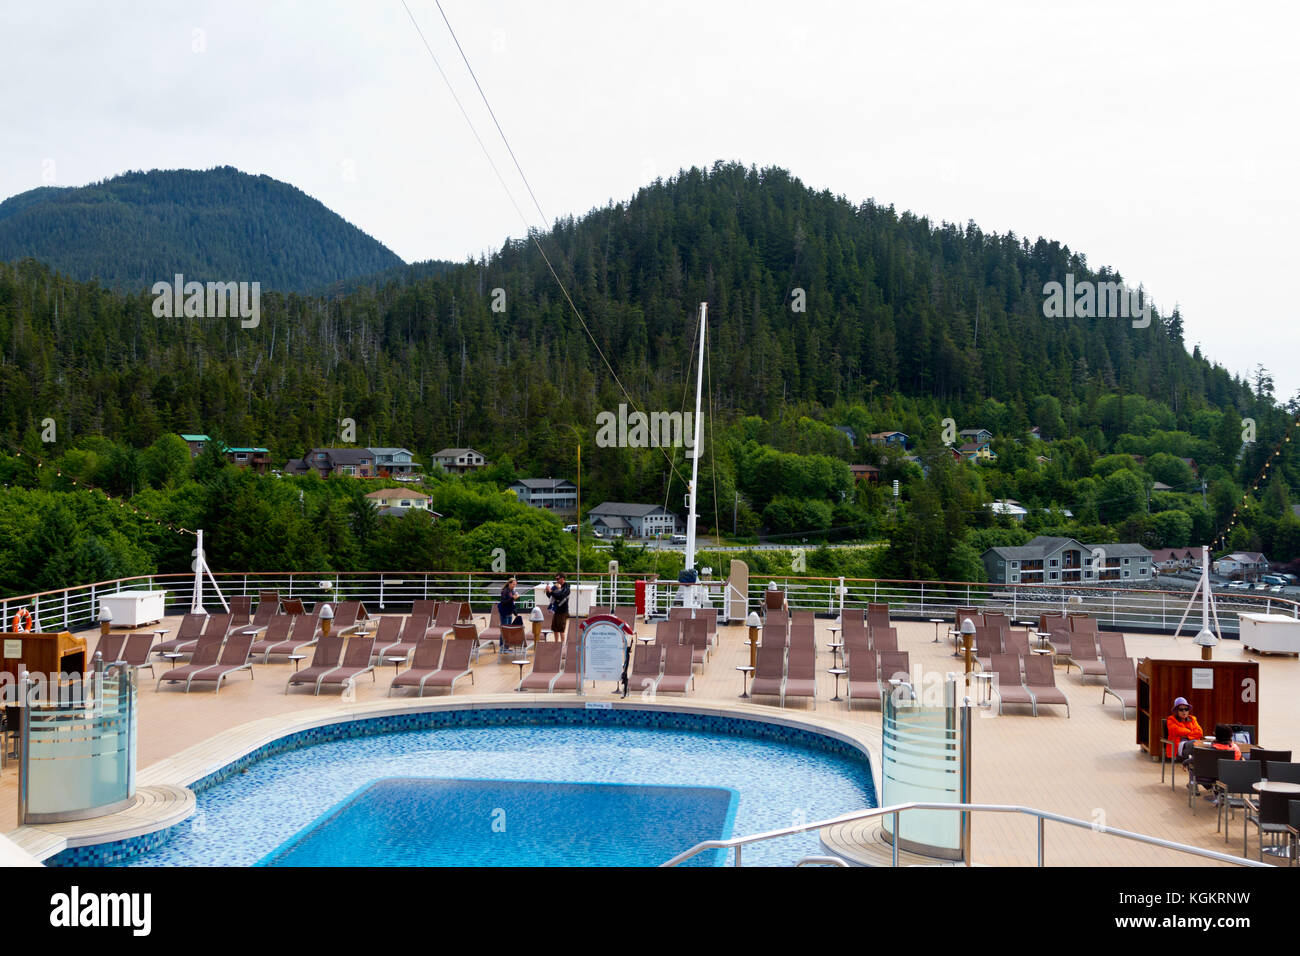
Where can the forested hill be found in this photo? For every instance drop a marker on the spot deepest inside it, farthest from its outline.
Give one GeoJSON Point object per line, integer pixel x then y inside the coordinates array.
{"type": "Point", "coordinates": [904, 323]}
{"type": "Point", "coordinates": [215, 225]}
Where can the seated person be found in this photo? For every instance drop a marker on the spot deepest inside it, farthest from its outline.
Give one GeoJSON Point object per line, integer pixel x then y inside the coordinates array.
{"type": "Point", "coordinates": [1223, 741]}
{"type": "Point", "coordinates": [1182, 729]}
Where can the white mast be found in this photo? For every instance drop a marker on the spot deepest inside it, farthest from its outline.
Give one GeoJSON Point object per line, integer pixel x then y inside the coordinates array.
{"type": "Point", "coordinates": [695, 449]}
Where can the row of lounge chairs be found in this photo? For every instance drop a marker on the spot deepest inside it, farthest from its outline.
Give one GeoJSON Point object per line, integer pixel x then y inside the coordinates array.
{"type": "Point", "coordinates": [215, 657]}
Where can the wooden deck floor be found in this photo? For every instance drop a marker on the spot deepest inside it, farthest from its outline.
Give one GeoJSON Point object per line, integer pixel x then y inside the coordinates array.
{"type": "Point", "coordinates": [1087, 766]}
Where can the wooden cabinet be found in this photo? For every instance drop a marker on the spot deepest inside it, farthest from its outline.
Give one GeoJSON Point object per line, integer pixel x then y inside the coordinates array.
{"type": "Point", "coordinates": [47, 654]}
{"type": "Point", "coordinates": [1220, 692]}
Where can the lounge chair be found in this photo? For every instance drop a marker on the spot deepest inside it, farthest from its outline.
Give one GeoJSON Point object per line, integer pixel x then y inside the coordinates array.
{"type": "Point", "coordinates": [997, 619]}
{"type": "Point", "coordinates": [773, 600]}
{"type": "Point", "coordinates": [1040, 680]}
{"type": "Point", "coordinates": [426, 608]}
{"type": "Point", "coordinates": [596, 609]}
{"type": "Point", "coordinates": [864, 676]}
{"type": "Point", "coordinates": [1047, 618]}
{"type": "Point", "coordinates": [388, 637]}
{"type": "Point", "coordinates": [468, 632]}
{"type": "Point", "coordinates": [424, 664]}
{"type": "Point", "coordinates": [293, 607]}
{"type": "Point", "coordinates": [627, 614]}
{"type": "Point", "coordinates": [769, 673]}
{"type": "Point", "coordinates": [895, 665]}
{"type": "Point", "coordinates": [324, 659]}
{"type": "Point", "coordinates": [800, 674]}
{"type": "Point", "coordinates": [444, 623]}
{"type": "Point", "coordinates": [567, 679]}
{"type": "Point", "coordinates": [668, 633]}
{"type": "Point", "coordinates": [678, 671]}
{"type": "Point", "coordinates": [1083, 655]}
{"type": "Point", "coordinates": [1082, 624]}
{"type": "Point", "coordinates": [696, 635]}
{"type": "Point", "coordinates": [277, 632]}
{"type": "Point", "coordinates": [647, 662]}
{"type": "Point", "coordinates": [356, 661]}
{"type": "Point", "coordinates": [266, 611]}
{"type": "Point", "coordinates": [241, 607]}
{"type": "Point", "coordinates": [1111, 644]}
{"type": "Point", "coordinates": [206, 653]}
{"type": "Point", "coordinates": [234, 657]}
{"type": "Point", "coordinates": [803, 636]}
{"type": "Point", "coordinates": [219, 625]}
{"type": "Point", "coordinates": [884, 638]}
{"type": "Point", "coordinates": [1059, 638]}
{"type": "Point", "coordinates": [988, 641]}
{"type": "Point", "coordinates": [878, 609]}
{"type": "Point", "coordinates": [110, 647]}
{"type": "Point", "coordinates": [547, 666]}
{"type": "Point", "coordinates": [137, 649]}
{"type": "Point", "coordinates": [803, 618]}
{"type": "Point", "coordinates": [856, 641]}
{"type": "Point", "coordinates": [302, 633]}
{"type": "Point", "coordinates": [415, 629]}
{"type": "Point", "coordinates": [1015, 642]}
{"type": "Point", "coordinates": [514, 640]}
{"type": "Point", "coordinates": [1121, 683]}
{"type": "Point", "coordinates": [1009, 686]}
{"type": "Point", "coordinates": [191, 629]}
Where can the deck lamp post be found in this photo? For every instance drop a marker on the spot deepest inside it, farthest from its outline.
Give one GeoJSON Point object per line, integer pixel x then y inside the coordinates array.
{"type": "Point", "coordinates": [1207, 642]}
{"type": "Point", "coordinates": [536, 616]}
{"type": "Point", "coordinates": [967, 635]}
{"type": "Point", "coordinates": [754, 623]}
{"type": "Point", "coordinates": [326, 617]}
{"type": "Point", "coordinates": [105, 619]}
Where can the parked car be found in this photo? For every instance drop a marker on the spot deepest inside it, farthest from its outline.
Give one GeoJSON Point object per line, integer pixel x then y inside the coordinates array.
{"type": "Point", "coordinates": [1239, 585]}
{"type": "Point", "coordinates": [679, 539]}
{"type": "Point", "coordinates": [1277, 589]}
{"type": "Point", "coordinates": [570, 528]}
{"type": "Point", "coordinates": [1261, 586]}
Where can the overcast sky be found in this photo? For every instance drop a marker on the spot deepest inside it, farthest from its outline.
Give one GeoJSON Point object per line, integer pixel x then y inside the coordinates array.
{"type": "Point", "coordinates": [1157, 138]}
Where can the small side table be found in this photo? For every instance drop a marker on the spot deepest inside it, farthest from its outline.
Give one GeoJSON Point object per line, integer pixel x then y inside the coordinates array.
{"type": "Point", "coordinates": [837, 671]}
{"type": "Point", "coordinates": [835, 650]}
{"type": "Point", "coordinates": [745, 671]}
{"type": "Point", "coordinates": [160, 633]}
{"type": "Point", "coordinates": [522, 663]}
{"type": "Point", "coordinates": [395, 660]}
{"type": "Point", "coordinates": [936, 621]}
{"type": "Point", "coordinates": [646, 639]}
{"type": "Point", "coordinates": [983, 687]}
{"type": "Point", "coordinates": [296, 658]}
{"type": "Point", "coordinates": [172, 657]}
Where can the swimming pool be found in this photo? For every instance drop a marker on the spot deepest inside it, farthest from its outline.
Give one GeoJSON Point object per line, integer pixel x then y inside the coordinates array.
{"type": "Point", "coordinates": [780, 776]}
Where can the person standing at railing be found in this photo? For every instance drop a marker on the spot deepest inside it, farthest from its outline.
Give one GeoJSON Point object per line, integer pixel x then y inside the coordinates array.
{"type": "Point", "coordinates": [559, 595]}
{"type": "Point", "coordinates": [506, 605]}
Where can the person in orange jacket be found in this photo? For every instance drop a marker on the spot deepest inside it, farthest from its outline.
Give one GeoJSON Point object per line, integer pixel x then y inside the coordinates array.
{"type": "Point", "coordinates": [1181, 726]}
{"type": "Point", "coordinates": [1223, 741]}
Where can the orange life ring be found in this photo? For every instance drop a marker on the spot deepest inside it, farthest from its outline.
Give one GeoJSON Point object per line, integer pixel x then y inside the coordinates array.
{"type": "Point", "coordinates": [23, 616]}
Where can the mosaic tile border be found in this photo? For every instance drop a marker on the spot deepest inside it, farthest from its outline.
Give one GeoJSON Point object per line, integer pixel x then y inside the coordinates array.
{"type": "Point", "coordinates": [474, 716]}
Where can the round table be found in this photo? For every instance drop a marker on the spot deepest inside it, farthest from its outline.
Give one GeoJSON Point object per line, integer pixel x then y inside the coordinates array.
{"type": "Point", "coordinates": [396, 660]}
{"type": "Point", "coordinates": [521, 664]}
{"type": "Point", "coordinates": [837, 671]}
{"type": "Point", "coordinates": [936, 621]}
{"type": "Point", "coordinates": [835, 649]}
{"type": "Point", "coordinates": [1276, 786]}
{"type": "Point", "coordinates": [983, 687]}
{"type": "Point", "coordinates": [296, 658]}
{"type": "Point", "coordinates": [745, 670]}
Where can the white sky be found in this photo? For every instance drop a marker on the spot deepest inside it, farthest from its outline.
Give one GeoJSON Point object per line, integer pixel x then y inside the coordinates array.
{"type": "Point", "coordinates": [1156, 137]}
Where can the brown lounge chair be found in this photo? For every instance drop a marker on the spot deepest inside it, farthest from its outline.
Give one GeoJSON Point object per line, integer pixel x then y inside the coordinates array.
{"type": "Point", "coordinates": [695, 633]}
{"type": "Point", "coordinates": [137, 649]}
{"type": "Point", "coordinates": [547, 665]}
{"type": "Point", "coordinates": [425, 608]}
{"type": "Point", "coordinates": [206, 653]}
{"type": "Point", "coordinates": [769, 672]}
{"type": "Point", "coordinates": [241, 609]}
{"type": "Point", "coordinates": [864, 679]}
{"type": "Point", "coordinates": [627, 614]}
{"type": "Point", "coordinates": [1015, 642]}
{"type": "Point", "coordinates": [455, 665]}
{"type": "Point", "coordinates": [678, 671]}
{"type": "Point", "coordinates": [1040, 680]}
{"type": "Point", "coordinates": [324, 659]}
{"type": "Point", "coordinates": [1083, 655]}
{"type": "Point", "coordinates": [514, 640]}
{"type": "Point", "coordinates": [800, 674]}
{"type": "Point", "coordinates": [469, 632]}
{"type": "Point", "coordinates": [1121, 683]}
{"type": "Point", "coordinates": [883, 638]}
{"type": "Point", "coordinates": [647, 660]}
{"type": "Point", "coordinates": [219, 626]}
{"type": "Point", "coordinates": [388, 637]}
{"type": "Point", "coordinates": [302, 633]}
{"type": "Point", "coordinates": [668, 633]}
{"type": "Point", "coordinates": [266, 611]}
{"type": "Point", "coordinates": [110, 647]}
{"type": "Point", "coordinates": [1059, 638]}
{"type": "Point", "coordinates": [191, 629]}
{"type": "Point", "coordinates": [415, 631]}
{"type": "Point", "coordinates": [492, 633]}
{"type": "Point", "coordinates": [1111, 644]}
{"type": "Point", "coordinates": [988, 641]}
{"type": "Point", "coordinates": [424, 663]}
{"type": "Point", "coordinates": [1010, 688]}
{"type": "Point", "coordinates": [277, 631]}
{"type": "Point", "coordinates": [234, 657]}
{"type": "Point", "coordinates": [445, 621]}
{"type": "Point", "coordinates": [356, 661]}
{"type": "Point", "coordinates": [803, 618]}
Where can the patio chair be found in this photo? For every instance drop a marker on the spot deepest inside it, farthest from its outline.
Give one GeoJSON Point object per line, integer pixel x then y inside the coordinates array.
{"type": "Point", "coordinates": [219, 625]}
{"type": "Point", "coordinates": [803, 636]}
{"type": "Point", "coordinates": [1082, 624]}
{"type": "Point", "coordinates": [1083, 655]}
{"type": "Point", "coordinates": [1015, 642]}
{"type": "Point", "coordinates": [514, 640]}
{"type": "Point", "coordinates": [884, 638]}
{"type": "Point", "coordinates": [302, 633]}
{"type": "Point", "coordinates": [345, 617]}
{"type": "Point", "coordinates": [864, 677]}
{"type": "Point", "coordinates": [856, 641]}
{"type": "Point", "coordinates": [647, 662]}
{"type": "Point", "coordinates": [356, 661]}
{"type": "Point", "coordinates": [1047, 618]}
{"type": "Point", "coordinates": [1269, 812]}
{"type": "Point", "coordinates": [191, 629]}
{"type": "Point", "coordinates": [234, 658]}
{"type": "Point", "coordinates": [800, 674]}
{"type": "Point", "coordinates": [895, 665]}
{"type": "Point", "coordinates": [1280, 771]}
{"type": "Point", "coordinates": [547, 665]}
{"type": "Point", "coordinates": [769, 671]}
{"type": "Point", "coordinates": [1040, 680]}
{"type": "Point", "coordinates": [293, 607]}
{"type": "Point", "coordinates": [469, 632]}
{"type": "Point", "coordinates": [1121, 683]}
{"type": "Point", "coordinates": [1202, 772]}
{"type": "Point", "coordinates": [1009, 686]}
{"type": "Point", "coordinates": [424, 663]}
{"type": "Point", "coordinates": [803, 617]}
{"type": "Point", "coordinates": [266, 610]}
{"type": "Point", "coordinates": [696, 635]}
{"type": "Point", "coordinates": [776, 637]}
{"type": "Point", "coordinates": [388, 637]}
{"type": "Point", "coordinates": [445, 620]}
{"type": "Point", "coordinates": [567, 679]}
{"type": "Point", "coordinates": [270, 600]}
{"type": "Point", "coordinates": [110, 647]}
{"type": "Point", "coordinates": [206, 653]}
{"type": "Point", "coordinates": [415, 629]}
{"type": "Point", "coordinates": [324, 659]}
{"type": "Point", "coordinates": [455, 665]}
{"type": "Point", "coordinates": [668, 633]}
{"type": "Point", "coordinates": [1059, 638]}
{"type": "Point", "coordinates": [137, 649]}
{"type": "Point", "coordinates": [427, 608]}
{"type": "Point", "coordinates": [997, 619]}
{"type": "Point", "coordinates": [877, 609]}
{"type": "Point", "coordinates": [277, 631]}
{"type": "Point", "coordinates": [853, 625]}
{"type": "Point", "coordinates": [773, 600]}
{"type": "Point", "coordinates": [1111, 644]}
{"type": "Point", "coordinates": [1233, 790]}
{"type": "Point", "coordinates": [1265, 757]}
{"type": "Point", "coordinates": [678, 671]}
{"type": "Point", "coordinates": [627, 614]}
{"type": "Point", "coordinates": [988, 641]}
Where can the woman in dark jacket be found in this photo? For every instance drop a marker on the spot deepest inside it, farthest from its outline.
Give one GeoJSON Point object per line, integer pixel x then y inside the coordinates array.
{"type": "Point", "coordinates": [506, 605]}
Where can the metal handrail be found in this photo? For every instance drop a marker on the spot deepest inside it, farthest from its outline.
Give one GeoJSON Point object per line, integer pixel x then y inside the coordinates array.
{"type": "Point", "coordinates": [899, 808]}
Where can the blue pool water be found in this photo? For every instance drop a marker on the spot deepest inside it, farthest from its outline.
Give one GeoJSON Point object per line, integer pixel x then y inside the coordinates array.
{"type": "Point", "coordinates": [404, 821]}
{"type": "Point", "coordinates": [252, 813]}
